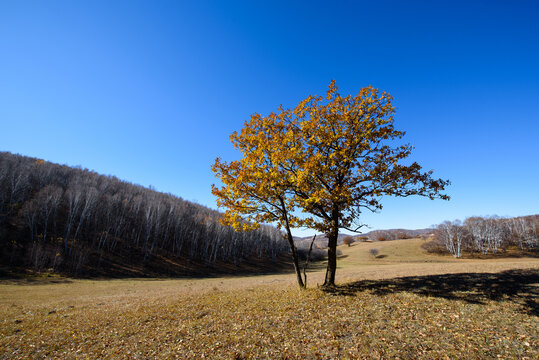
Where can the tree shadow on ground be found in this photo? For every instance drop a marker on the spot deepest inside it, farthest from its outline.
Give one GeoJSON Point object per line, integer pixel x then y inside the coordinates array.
{"type": "Point", "coordinates": [520, 286]}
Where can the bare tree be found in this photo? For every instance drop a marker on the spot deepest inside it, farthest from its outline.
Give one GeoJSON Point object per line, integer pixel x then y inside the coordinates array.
{"type": "Point", "coordinates": [453, 235]}
{"type": "Point", "coordinates": [47, 201]}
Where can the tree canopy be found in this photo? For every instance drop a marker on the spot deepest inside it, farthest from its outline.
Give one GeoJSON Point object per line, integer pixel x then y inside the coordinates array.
{"type": "Point", "coordinates": [257, 188]}
{"type": "Point", "coordinates": [330, 158]}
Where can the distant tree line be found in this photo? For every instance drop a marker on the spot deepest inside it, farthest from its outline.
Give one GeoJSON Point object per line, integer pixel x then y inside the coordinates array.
{"type": "Point", "coordinates": [486, 235]}
{"type": "Point", "coordinates": [59, 217]}
{"type": "Point", "coordinates": [394, 234]}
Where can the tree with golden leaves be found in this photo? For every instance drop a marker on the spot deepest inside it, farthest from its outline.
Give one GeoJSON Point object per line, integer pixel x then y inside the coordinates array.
{"type": "Point", "coordinates": [329, 158]}
{"type": "Point", "coordinates": [258, 187]}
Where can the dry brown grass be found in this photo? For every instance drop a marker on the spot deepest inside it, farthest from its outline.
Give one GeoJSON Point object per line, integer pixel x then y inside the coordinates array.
{"type": "Point", "coordinates": [377, 314]}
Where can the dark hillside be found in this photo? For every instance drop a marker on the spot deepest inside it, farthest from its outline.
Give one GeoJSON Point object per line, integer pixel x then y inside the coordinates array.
{"type": "Point", "coordinates": [63, 219]}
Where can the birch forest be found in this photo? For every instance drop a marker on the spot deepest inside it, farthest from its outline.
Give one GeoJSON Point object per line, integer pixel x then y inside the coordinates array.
{"type": "Point", "coordinates": [72, 220]}
{"type": "Point", "coordinates": [489, 235]}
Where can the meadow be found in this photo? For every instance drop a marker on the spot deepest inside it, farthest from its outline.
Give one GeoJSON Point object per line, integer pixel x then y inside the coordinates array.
{"type": "Point", "coordinates": [403, 303]}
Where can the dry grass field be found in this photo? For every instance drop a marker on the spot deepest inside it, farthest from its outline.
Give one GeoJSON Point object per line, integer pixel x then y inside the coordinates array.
{"type": "Point", "coordinates": [402, 304]}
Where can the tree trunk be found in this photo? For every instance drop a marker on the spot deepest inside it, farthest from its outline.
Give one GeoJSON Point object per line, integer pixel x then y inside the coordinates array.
{"type": "Point", "coordinates": [290, 239]}
{"type": "Point", "coordinates": [294, 257]}
{"type": "Point", "coordinates": [307, 262]}
{"type": "Point", "coordinates": [332, 251]}
{"type": "Point", "coordinates": [332, 260]}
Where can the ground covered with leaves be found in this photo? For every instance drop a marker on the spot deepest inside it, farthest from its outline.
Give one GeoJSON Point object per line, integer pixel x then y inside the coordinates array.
{"type": "Point", "coordinates": [472, 316]}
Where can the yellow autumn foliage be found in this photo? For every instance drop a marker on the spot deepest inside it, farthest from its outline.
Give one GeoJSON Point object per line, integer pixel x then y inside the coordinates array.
{"type": "Point", "coordinates": [331, 158]}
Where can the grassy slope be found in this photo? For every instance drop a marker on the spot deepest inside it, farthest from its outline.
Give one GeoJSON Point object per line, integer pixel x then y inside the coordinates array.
{"type": "Point", "coordinates": [459, 316]}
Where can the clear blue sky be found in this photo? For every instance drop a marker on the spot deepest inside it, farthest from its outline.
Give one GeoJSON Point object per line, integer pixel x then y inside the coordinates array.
{"type": "Point", "coordinates": [149, 91]}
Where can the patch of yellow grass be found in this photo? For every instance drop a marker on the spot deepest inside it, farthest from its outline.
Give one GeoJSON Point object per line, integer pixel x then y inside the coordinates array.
{"type": "Point", "coordinates": [267, 317]}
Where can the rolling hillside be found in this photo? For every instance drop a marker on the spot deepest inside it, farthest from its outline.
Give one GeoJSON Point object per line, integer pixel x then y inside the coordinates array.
{"type": "Point", "coordinates": [75, 221]}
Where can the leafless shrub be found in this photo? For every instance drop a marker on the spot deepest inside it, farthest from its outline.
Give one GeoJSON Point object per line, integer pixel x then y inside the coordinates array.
{"type": "Point", "coordinates": [374, 252]}
{"type": "Point", "coordinates": [434, 247]}
{"type": "Point", "coordinates": [41, 256]}
{"type": "Point", "coordinates": [316, 254]}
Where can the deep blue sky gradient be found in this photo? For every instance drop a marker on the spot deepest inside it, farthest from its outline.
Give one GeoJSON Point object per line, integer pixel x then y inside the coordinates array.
{"type": "Point", "coordinates": [149, 91]}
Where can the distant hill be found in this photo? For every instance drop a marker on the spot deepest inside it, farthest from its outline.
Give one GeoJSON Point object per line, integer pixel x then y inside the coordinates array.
{"type": "Point", "coordinates": [71, 220]}
{"type": "Point", "coordinates": [375, 235]}
{"type": "Point", "coordinates": [521, 229]}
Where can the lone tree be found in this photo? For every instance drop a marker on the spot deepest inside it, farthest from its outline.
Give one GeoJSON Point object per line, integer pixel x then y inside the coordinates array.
{"type": "Point", "coordinates": [330, 158]}
{"type": "Point", "coordinates": [374, 252]}
{"type": "Point", "coordinates": [349, 240]}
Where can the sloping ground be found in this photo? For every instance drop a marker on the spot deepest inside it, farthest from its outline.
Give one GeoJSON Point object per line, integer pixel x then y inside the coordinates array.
{"type": "Point", "coordinates": [397, 258]}
{"type": "Point", "coordinates": [392, 306]}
